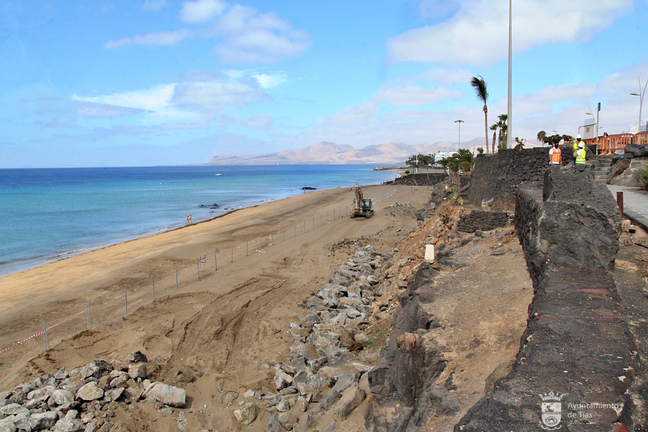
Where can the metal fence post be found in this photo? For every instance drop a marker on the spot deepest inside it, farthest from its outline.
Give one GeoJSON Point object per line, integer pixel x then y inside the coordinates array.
{"type": "Point", "coordinates": [153, 286]}
{"type": "Point", "coordinates": [45, 335]}
{"type": "Point", "coordinates": [620, 202]}
{"type": "Point", "coordinates": [198, 267]}
{"type": "Point", "coordinates": [88, 314]}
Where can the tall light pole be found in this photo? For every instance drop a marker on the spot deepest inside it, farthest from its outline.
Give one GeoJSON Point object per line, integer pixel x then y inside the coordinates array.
{"type": "Point", "coordinates": [459, 121]}
{"type": "Point", "coordinates": [598, 110]}
{"type": "Point", "coordinates": [509, 133]}
{"type": "Point", "coordinates": [641, 96]}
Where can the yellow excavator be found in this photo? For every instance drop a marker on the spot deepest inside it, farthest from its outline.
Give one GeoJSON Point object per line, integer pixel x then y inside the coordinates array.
{"type": "Point", "coordinates": [361, 205]}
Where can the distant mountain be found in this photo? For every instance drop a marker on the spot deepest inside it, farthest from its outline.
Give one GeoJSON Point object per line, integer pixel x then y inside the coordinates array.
{"type": "Point", "coordinates": [392, 153]}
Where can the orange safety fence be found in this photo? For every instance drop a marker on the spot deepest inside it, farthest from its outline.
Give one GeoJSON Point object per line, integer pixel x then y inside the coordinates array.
{"type": "Point", "coordinates": [611, 143]}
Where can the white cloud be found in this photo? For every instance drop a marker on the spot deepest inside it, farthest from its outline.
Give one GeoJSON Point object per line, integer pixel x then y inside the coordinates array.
{"type": "Point", "coordinates": [268, 81]}
{"type": "Point", "coordinates": [153, 99]}
{"type": "Point", "coordinates": [210, 98]}
{"type": "Point", "coordinates": [199, 75]}
{"type": "Point", "coordinates": [248, 36]}
{"type": "Point", "coordinates": [244, 34]}
{"type": "Point", "coordinates": [151, 39]}
{"type": "Point", "coordinates": [153, 5]}
{"type": "Point", "coordinates": [365, 113]}
{"type": "Point", "coordinates": [445, 76]}
{"type": "Point", "coordinates": [435, 9]}
{"type": "Point", "coordinates": [201, 11]}
{"type": "Point", "coordinates": [98, 110]}
{"type": "Point", "coordinates": [415, 95]}
{"type": "Point", "coordinates": [478, 33]}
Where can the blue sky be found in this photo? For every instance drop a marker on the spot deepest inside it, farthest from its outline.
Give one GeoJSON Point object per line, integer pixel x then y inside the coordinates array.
{"type": "Point", "coordinates": [156, 82]}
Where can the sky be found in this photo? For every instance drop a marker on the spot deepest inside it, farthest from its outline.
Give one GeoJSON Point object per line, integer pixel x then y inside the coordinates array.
{"type": "Point", "coordinates": [88, 83]}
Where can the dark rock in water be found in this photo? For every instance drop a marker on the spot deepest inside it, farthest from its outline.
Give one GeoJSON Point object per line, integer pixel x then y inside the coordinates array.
{"type": "Point", "coordinates": [308, 188]}
{"type": "Point", "coordinates": [213, 206]}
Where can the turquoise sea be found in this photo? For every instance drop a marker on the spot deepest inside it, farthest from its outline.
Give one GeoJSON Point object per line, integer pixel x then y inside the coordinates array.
{"type": "Point", "coordinates": [50, 214]}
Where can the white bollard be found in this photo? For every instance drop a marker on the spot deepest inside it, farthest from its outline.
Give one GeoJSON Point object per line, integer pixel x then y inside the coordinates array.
{"type": "Point", "coordinates": [429, 253]}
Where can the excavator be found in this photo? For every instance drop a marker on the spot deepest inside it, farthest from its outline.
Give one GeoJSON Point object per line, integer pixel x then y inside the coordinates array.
{"type": "Point", "coordinates": [361, 205]}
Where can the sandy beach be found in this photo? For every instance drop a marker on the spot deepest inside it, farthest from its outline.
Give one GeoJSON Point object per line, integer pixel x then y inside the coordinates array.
{"type": "Point", "coordinates": [279, 275]}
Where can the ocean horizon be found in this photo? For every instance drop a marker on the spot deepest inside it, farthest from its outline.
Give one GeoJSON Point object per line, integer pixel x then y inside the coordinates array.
{"type": "Point", "coordinates": [55, 213]}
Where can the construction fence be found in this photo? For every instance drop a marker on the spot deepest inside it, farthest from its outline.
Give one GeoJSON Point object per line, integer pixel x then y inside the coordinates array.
{"type": "Point", "coordinates": [205, 265]}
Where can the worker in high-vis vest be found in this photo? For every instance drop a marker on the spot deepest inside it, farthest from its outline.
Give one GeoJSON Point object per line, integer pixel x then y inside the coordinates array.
{"type": "Point", "coordinates": [555, 155]}
{"type": "Point", "coordinates": [578, 141]}
{"type": "Point", "coordinates": [580, 154]}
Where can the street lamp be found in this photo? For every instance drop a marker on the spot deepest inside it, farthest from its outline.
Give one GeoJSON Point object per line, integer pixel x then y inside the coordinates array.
{"type": "Point", "coordinates": [459, 121]}
{"type": "Point", "coordinates": [509, 118]}
{"type": "Point", "coordinates": [641, 96]}
{"type": "Point", "coordinates": [598, 110]}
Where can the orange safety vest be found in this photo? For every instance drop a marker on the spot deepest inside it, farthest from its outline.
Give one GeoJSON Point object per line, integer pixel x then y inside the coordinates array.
{"type": "Point", "coordinates": [556, 156]}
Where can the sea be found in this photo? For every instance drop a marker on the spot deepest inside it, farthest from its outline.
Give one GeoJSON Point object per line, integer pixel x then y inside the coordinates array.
{"type": "Point", "coordinates": [49, 214]}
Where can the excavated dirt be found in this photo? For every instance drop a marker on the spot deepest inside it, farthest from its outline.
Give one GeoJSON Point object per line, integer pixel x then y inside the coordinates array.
{"type": "Point", "coordinates": [228, 330]}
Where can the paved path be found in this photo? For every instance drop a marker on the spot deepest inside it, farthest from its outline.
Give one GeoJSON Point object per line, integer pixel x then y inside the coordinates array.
{"type": "Point", "coordinates": [635, 204]}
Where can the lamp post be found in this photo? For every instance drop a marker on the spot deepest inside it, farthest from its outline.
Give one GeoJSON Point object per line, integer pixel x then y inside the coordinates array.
{"type": "Point", "coordinates": [509, 118]}
{"type": "Point", "coordinates": [641, 96]}
{"type": "Point", "coordinates": [598, 110]}
{"type": "Point", "coordinates": [459, 121]}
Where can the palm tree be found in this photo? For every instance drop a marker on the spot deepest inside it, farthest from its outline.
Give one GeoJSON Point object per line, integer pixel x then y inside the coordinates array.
{"type": "Point", "coordinates": [503, 129]}
{"type": "Point", "coordinates": [444, 163]}
{"type": "Point", "coordinates": [466, 159]}
{"type": "Point", "coordinates": [454, 163]}
{"type": "Point", "coordinates": [479, 85]}
{"type": "Point", "coordinates": [494, 129]}
{"type": "Point", "coordinates": [542, 137]}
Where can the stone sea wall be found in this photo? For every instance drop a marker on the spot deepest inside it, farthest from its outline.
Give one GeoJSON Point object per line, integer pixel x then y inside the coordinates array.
{"type": "Point", "coordinates": [499, 176]}
{"type": "Point", "coordinates": [577, 352]}
{"type": "Point", "coordinates": [427, 179]}
{"type": "Point", "coordinates": [479, 220]}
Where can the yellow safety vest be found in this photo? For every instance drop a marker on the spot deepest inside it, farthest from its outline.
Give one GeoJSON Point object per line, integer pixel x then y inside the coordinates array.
{"type": "Point", "coordinates": [580, 156]}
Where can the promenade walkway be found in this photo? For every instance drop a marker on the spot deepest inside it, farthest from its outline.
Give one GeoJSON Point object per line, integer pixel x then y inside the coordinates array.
{"type": "Point", "coordinates": [635, 204]}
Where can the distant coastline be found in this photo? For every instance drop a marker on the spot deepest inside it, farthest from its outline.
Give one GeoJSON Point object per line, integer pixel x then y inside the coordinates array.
{"type": "Point", "coordinates": [81, 210]}
{"type": "Point", "coordinates": [390, 168]}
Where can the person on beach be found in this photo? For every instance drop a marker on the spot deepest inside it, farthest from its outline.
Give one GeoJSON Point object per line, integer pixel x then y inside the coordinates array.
{"type": "Point", "coordinates": [187, 219]}
{"type": "Point", "coordinates": [190, 218]}
{"type": "Point", "coordinates": [578, 141]}
{"type": "Point", "coordinates": [555, 155]}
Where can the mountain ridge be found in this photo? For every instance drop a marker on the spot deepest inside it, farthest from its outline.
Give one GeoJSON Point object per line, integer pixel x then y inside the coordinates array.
{"type": "Point", "coordinates": [394, 152]}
